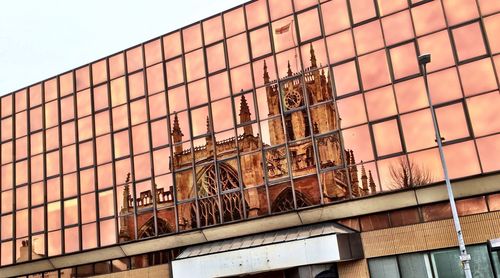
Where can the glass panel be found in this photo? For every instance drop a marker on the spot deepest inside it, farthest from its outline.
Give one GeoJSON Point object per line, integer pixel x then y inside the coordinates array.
{"type": "Point", "coordinates": [460, 11]}
{"type": "Point", "coordinates": [404, 61]}
{"type": "Point", "coordinates": [374, 70]}
{"type": "Point", "coordinates": [428, 17]}
{"type": "Point", "coordinates": [159, 135]}
{"type": "Point", "coordinates": [153, 52]}
{"type": "Point", "coordinates": [483, 112]}
{"type": "Point", "coordinates": [477, 77]}
{"type": "Point", "coordinates": [469, 41]}
{"type": "Point", "coordinates": [195, 65]}
{"type": "Point", "coordinates": [174, 71]}
{"type": "Point", "coordinates": [138, 112]}
{"type": "Point", "coordinates": [387, 138]}
{"type": "Point", "coordinates": [415, 265]}
{"type": "Point", "coordinates": [216, 59]}
{"type": "Point", "coordinates": [389, 6]}
{"type": "Point", "coordinates": [491, 25]}
{"type": "Point", "coordinates": [172, 45]}
{"type": "Point", "coordinates": [88, 208]}
{"type": "Point", "coordinates": [107, 232]}
{"type": "Point", "coordinates": [335, 16]}
{"type": "Point", "coordinates": [136, 84]}
{"type": "Point", "coordinates": [452, 122]}
{"type": "Point", "coordinates": [280, 8]}
{"type": "Point", "coordinates": [444, 86]}
{"type": "Point", "coordinates": [368, 37]}
{"type": "Point", "coordinates": [237, 50]}
{"type": "Point", "coordinates": [284, 34]}
{"type": "Point", "coordinates": [218, 85]}
{"type": "Point", "coordinates": [455, 156]}
{"type": "Point", "coordinates": [362, 10]}
{"type": "Point", "coordinates": [418, 130]}
{"type": "Point", "coordinates": [212, 30]}
{"type": "Point", "coordinates": [346, 78]}
{"type": "Point", "coordinates": [220, 110]}
{"type": "Point", "coordinates": [386, 267]}
{"type": "Point", "coordinates": [134, 59]}
{"type": "Point", "coordinates": [51, 85]}
{"type": "Point", "coordinates": [116, 66]}
{"type": "Point", "coordinates": [260, 42]}
{"type": "Point", "coordinates": [380, 103]}
{"type": "Point", "coordinates": [489, 150]}
{"type": "Point", "coordinates": [71, 240]}
{"type": "Point", "coordinates": [340, 46]}
{"type": "Point", "coordinates": [256, 13]}
{"type": "Point", "coordinates": [234, 22]}
{"type": "Point", "coordinates": [352, 110]}
{"type": "Point", "coordinates": [439, 46]}
{"type": "Point", "coordinates": [191, 37]}
{"type": "Point", "coordinates": [241, 79]}
{"type": "Point", "coordinates": [309, 27]}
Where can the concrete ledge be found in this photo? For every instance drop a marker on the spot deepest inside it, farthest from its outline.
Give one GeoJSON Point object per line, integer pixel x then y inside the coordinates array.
{"type": "Point", "coordinates": [371, 204]}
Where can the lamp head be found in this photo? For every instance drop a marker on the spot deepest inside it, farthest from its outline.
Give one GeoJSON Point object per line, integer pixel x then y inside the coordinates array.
{"type": "Point", "coordinates": [424, 59]}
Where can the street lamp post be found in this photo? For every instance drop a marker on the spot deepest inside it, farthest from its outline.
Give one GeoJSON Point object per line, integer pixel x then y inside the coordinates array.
{"type": "Point", "coordinates": [465, 258]}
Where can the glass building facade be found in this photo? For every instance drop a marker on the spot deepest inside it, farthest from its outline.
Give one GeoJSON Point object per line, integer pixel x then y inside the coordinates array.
{"type": "Point", "coordinates": [273, 106]}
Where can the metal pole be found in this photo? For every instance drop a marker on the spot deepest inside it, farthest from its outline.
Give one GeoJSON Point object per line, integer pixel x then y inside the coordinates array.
{"type": "Point", "coordinates": [423, 60]}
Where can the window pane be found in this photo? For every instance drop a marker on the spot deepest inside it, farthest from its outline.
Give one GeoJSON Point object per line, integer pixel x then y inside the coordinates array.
{"type": "Point", "coordinates": [358, 140]}
{"type": "Point", "coordinates": [335, 16]}
{"type": "Point", "coordinates": [368, 37]}
{"type": "Point", "coordinates": [260, 42]}
{"type": "Point", "coordinates": [455, 156]}
{"type": "Point", "coordinates": [404, 61]}
{"type": "Point", "coordinates": [452, 122]}
{"type": "Point", "coordinates": [195, 65]}
{"type": "Point", "coordinates": [237, 50]}
{"type": "Point", "coordinates": [212, 30]}
{"type": "Point", "coordinates": [397, 27]}
{"type": "Point", "coordinates": [215, 57]}
{"type": "Point", "coordinates": [469, 41]}
{"type": "Point", "coordinates": [460, 11]}
{"type": "Point", "coordinates": [175, 73]}
{"type": "Point", "coordinates": [280, 8]}
{"type": "Point", "coordinates": [374, 70]}
{"type": "Point", "coordinates": [477, 77]}
{"type": "Point", "coordinates": [234, 22]}
{"type": "Point", "coordinates": [116, 66]}
{"type": "Point", "coordinates": [362, 10]}
{"type": "Point", "coordinates": [156, 82]}
{"type": "Point", "coordinates": [340, 46]}
{"type": "Point", "coordinates": [483, 112]}
{"type": "Point", "coordinates": [157, 106]}
{"type": "Point", "coordinates": [387, 138]}
{"type": "Point", "coordinates": [136, 84]}
{"type": "Point", "coordinates": [256, 13]}
{"type": "Point", "coordinates": [389, 6]}
{"type": "Point", "coordinates": [153, 52]}
{"type": "Point", "coordinates": [386, 267]}
{"type": "Point", "coordinates": [380, 103]}
{"type": "Point", "coordinates": [172, 45]}
{"type": "Point", "coordinates": [428, 17]}
{"type": "Point", "coordinates": [415, 265]}
{"type": "Point", "coordinates": [134, 59]}
{"type": "Point", "coordinates": [346, 78]}
{"type": "Point", "coordinates": [351, 110]}
{"type": "Point", "coordinates": [418, 130]}
{"type": "Point", "coordinates": [439, 46]}
{"type": "Point", "coordinates": [492, 25]}
{"type": "Point", "coordinates": [309, 25]}
{"type": "Point", "coordinates": [489, 151]}
{"type": "Point", "coordinates": [444, 86]}
{"type": "Point", "coordinates": [284, 34]}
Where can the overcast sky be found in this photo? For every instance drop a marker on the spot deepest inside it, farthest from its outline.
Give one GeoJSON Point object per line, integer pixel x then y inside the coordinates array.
{"type": "Point", "coordinates": [40, 39]}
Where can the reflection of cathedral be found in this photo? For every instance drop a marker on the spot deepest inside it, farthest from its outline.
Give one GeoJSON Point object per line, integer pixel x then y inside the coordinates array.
{"type": "Point", "coordinates": [218, 190]}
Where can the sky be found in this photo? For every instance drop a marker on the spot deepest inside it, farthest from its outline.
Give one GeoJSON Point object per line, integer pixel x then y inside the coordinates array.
{"type": "Point", "coordinates": [40, 39]}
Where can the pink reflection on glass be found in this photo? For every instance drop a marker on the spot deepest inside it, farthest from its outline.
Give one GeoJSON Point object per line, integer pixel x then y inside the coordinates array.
{"type": "Point", "coordinates": [284, 35]}
{"type": "Point", "coordinates": [172, 45]}
{"type": "Point", "coordinates": [68, 133]}
{"type": "Point", "coordinates": [21, 197]}
{"type": "Point", "coordinates": [69, 159]}
{"type": "Point", "coordinates": [37, 193]}
{"type": "Point", "coordinates": [215, 57]}
{"type": "Point", "coordinates": [197, 93]}
{"type": "Point", "coordinates": [483, 112]}
{"type": "Point", "coordinates": [70, 185]}
{"type": "Point", "coordinates": [492, 25]}
{"type": "Point", "coordinates": [51, 111]}
{"type": "Point", "coordinates": [88, 209]}
{"type": "Point", "coordinates": [159, 133]}
{"type": "Point", "coordinates": [368, 37]}
{"type": "Point", "coordinates": [21, 172]}
{"type": "Point", "coordinates": [455, 156]}
{"type": "Point", "coordinates": [258, 71]}
{"type": "Point", "coordinates": [120, 117]}
{"type": "Point", "coordinates": [452, 122]}
{"type": "Point", "coordinates": [142, 166]}
{"type": "Point", "coordinates": [140, 138]}
{"type": "Point", "coordinates": [221, 119]}
{"type": "Point", "coordinates": [6, 105]}
{"type": "Point", "coordinates": [488, 7]}
{"type": "Point", "coordinates": [362, 10]}
{"type": "Point", "coordinates": [7, 198]}
{"type": "Point", "coordinates": [54, 216]}
{"type": "Point", "coordinates": [99, 72]}
{"type": "Point", "coordinates": [153, 52]}
{"type": "Point", "coordinates": [161, 161]}
{"type": "Point", "coordinates": [21, 124]}
{"type": "Point", "coordinates": [444, 86]}
{"type": "Point", "coordinates": [157, 106]}
{"type": "Point", "coordinates": [439, 46]}
{"type": "Point", "coordinates": [35, 95]}
{"type": "Point", "coordinates": [7, 226]}
{"type": "Point", "coordinates": [84, 107]}
{"type": "Point", "coordinates": [260, 42]}
{"type": "Point", "coordinates": [256, 13]}
{"type": "Point", "coordinates": [50, 86]}
{"type": "Point", "coordinates": [105, 176]}
{"type": "Point", "coordinates": [418, 130]}
{"type": "Point", "coordinates": [67, 108]}
{"type": "Point", "coordinates": [387, 138]}
{"type": "Point", "coordinates": [52, 160]}
{"type": "Point", "coordinates": [195, 65]}
{"type": "Point", "coordinates": [280, 8]}
{"type": "Point", "coordinates": [319, 53]}
{"type": "Point", "coordinates": [175, 73]}
{"type": "Point", "coordinates": [335, 16]}
{"type": "Point", "coordinates": [6, 253]}
{"type": "Point", "coordinates": [309, 26]}
{"type": "Point", "coordinates": [241, 78]}
{"type": "Point", "coordinates": [477, 77]}
{"type": "Point", "coordinates": [89, 236]}
{"type": "Point", "coordinates": [86, 154]}
{"type": "Point", "coordinates": [36, 119]}
{"type": "Point", "coordinates": [85, 128]}
{"type": "Point", "coordinates": [103, 126]}
{"type": "Point", "coordinates": [177, 99]}
{"type": "Point", "coordinates": [66, 83]}
{"type": "Point", "coordinates": [380, 103]}
{"type": "Point", "coordinates": [116, 65]}
{"type": "Point", "coordinates": [469, 41]}
{"type": "Point", "coordinates": [411, 95]}
{"type": "Point", "coordinates": [6, 152]}
{"type": "Point", "coordinates": [358, 140]}
{"type": "Point", "coordinates": [389, 181]}
{"type": "Point", "coordinates": [6, 129]}
{"type": "Point", "coordinates": [351, 110]}
{"type": "Point", "coordinates": [212, 30]}
{"type": "Point", "coordinates": [138, 113]}
{"type": "Point", "coordinates": [107, 233]}
{"type": "Point", "coordinates": [428, 163]}
{"type": "Point", "coordinates": [237, 50]}
{"type": "Point", "coordinates": [106, 206]}
{"type": "Point", "coordinates": [199, 120]}
{"type": "Point", "coordinates": [397, 27]}
{"type": "Point", "coordinates": [54, 243]}
{"type": "Point", "coordinates": [428, 17]}
{"type": "Point", "coordinates": [20, 100]}
{"type": "Point", "coordinates": [191, 37]}
{"type": "Point", "coordinates": [218, 85]}
{"type": "Point", "coordinates": [103, 149]}
{"type": "Point", "coordinates": [118, 91]}
{"type": "Point", "coordinates": [156, 82]}
{"type": "Point", "coordinates": [136, 84]}
{"type": "Point", "coordinates": [489, 151]}
{"type": "Point", "coordinates": [390, 6]}
{"type": "Point", "coordinates": [460, 11]}
{"type": "Point", "coordinates": [121, 142]}
{"type": "Point", "coordinates": [70, 212]}
{"type": "Point", "coordinates": [101, 97]}
{"type": "Point", "coordinates": [302, 4]}
{"type": "Point", "coordinates": [71, 240]}
{"type": "Point", "coordinates": [234, 22]}
{"type": "Point", "coordinates": [404, 60]}
{"type": "Point", "coordinates": [340, 46]}
{"type": "Point", "coordinates": [37, 219]}
{"type": "Point", "coordinates": [82, 77]}
{"type": "Point", "coordinates": [374, 70]}
{"type": "Point", "coordinates": [288, 61]}
{"type": "Point", "coordinates": [22, 223]}
{"type": "Point", "coordinates": [134, 59]}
